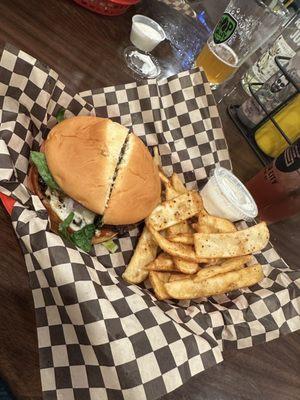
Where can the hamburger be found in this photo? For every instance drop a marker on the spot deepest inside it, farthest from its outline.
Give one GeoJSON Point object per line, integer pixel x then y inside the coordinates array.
{"type": "Point", "coordinates": [95, 178]}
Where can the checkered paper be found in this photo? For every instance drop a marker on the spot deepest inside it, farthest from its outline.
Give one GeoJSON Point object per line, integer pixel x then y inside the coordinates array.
{"type": "Point", "coordinates": [181, 6]}
{"type": "Point", "coordinates": [99, 337]}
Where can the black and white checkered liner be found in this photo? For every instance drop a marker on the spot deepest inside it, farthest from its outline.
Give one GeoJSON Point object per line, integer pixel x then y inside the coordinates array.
{"type": "Point", "coordinates": [100, 337]}
{"type": "Point", "coordinates": [181, 6]}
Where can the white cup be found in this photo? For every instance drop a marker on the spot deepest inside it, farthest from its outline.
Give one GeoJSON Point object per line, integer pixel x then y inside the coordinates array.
{"type": "Point", "coordinates": [146, 34]}
{"type": "Point", "coordinates": [225, 196]}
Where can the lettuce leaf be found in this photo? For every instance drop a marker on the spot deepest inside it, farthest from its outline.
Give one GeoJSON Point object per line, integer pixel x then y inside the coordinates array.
{"type": "Point", "coordinates": [83, 237]}
{"type": "Point", "coordinates": [64, 225]}
{"type": "Point", "coordinates": [39, 160]}
{"type": "Point", "coordinates": [60, 116]}
{"type": "Point", "coordinates": [110, 245]}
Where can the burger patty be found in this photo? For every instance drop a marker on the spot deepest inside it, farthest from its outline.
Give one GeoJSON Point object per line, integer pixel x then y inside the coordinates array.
{"type": "Point", "coordinates": [122, 229]}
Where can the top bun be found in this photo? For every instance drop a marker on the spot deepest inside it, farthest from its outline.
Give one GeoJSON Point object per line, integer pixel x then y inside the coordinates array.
{"type": "Point", "coordinates": [137, 186]}
{"type": "Point", "coordinates": [82, 154]}
{"type": "Point", "coordinates": [103, 167]}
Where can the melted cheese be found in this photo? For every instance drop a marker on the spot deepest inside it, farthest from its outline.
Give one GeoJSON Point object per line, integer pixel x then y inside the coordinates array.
{"type": "Point", "coordinates": [82, 216]}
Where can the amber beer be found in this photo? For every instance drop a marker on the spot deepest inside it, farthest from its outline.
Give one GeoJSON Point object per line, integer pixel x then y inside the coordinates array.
{"type": "Point", "coordinates": [218, 61]}
{"type": "Point", "coordinates": [241, 30]}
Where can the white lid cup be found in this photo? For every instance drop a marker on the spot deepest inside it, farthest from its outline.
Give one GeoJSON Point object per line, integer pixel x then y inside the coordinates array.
{"type": "Point", "coordinates": [146, 34]}
{"type": "Point", "coordinates": [225, 196]}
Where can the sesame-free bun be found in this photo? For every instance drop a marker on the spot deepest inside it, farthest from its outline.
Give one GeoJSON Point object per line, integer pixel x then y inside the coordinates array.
{"type": "Point", "coordinates": [103, 167]}
{"type": "Point", "coordinates": [137, 186]}
{"type": "Point", "coordinates": [82, 154]}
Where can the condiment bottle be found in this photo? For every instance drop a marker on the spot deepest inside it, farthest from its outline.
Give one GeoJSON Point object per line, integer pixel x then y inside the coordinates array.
{"type": "Point", "coordinates": [269, 139]}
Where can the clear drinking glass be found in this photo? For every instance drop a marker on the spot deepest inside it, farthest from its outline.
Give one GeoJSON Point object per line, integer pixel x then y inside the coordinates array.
{"type": "Point", "coordinates": [242, 29]}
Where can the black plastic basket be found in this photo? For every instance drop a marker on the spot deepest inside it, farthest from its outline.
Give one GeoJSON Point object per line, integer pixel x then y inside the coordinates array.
{"type": "Point", "coordinates": [247, 132]}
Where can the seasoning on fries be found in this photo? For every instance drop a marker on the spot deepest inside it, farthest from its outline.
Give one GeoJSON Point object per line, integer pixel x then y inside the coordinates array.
{"type": "Point", "coordinates": [185, 238]}
{"type": "Point", "coordinates": [171, 212]}
{"type": "Point", "coordinates": [239, 243]}
{"type": "Point", "coordinates": [210, 224]}
{"type": "Point", "coordinates": [201, 255]}
{"type": "Point", "coordinates": [222, 283]}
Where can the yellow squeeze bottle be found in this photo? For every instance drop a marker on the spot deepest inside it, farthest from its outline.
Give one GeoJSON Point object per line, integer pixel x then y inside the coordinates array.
{"type": "Point", "coordinates": [269, 139]}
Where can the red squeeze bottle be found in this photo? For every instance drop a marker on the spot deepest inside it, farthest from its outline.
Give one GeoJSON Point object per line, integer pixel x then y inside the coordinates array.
{"type": "Point", "coordinates": [276, 188]}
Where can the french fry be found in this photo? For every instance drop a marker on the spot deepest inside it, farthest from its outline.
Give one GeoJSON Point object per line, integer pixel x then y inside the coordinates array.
{"type": "Point", "coordinates": [210, 224]}
{"type": "Point", "coordinates": [156, 156]}
{"type": "Point", "coordinates": [186, 267]}
{"type": "Point", "coordinates": [177, 184]}
{"type": "Point", "coordinates": [163, 177]}
{"type": "Point", "coordinates": [173, 211]}
{"type": "Point", "coordinates": [185, 238]}
{"type": "Point", "coordinates": [170, 192]}
{"type": "Point", "coordinates": [205, 229]}
{"type": "Point", "coordinates": [202, 213]}
{"type": "Point", "coordinates": [177, 276]}
{"type": "Point", "coordinates": [158, 280]}
{"type": "Point", "coordinates": [163, 262]}
{"type": "Point", "coordinates": [145, 252]}
{"type": "Point", "coordinates": [175, 249]}
{"type": "Point", "coordinates": [214, 261]}
{"type": "Point", "coordinates": [195, 227]}
{"type": "Point", "coordinates": [189, 289]}
{"type": "Point", "coordinates": [232, 264]}
{"type": "Point", "coordinates": [182, 228]}
{"type": "Point", "coordinates": [217, 246]}
{"type": "Point", "coordinates": [223, 245]}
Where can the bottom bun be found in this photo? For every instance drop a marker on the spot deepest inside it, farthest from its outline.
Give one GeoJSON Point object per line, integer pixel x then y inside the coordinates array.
{"type": "Point", "coordinates": [34, 186]}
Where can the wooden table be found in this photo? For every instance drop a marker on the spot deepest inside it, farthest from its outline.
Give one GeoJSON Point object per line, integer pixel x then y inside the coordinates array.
{"type": "Point", "coordinates": [86, 50]}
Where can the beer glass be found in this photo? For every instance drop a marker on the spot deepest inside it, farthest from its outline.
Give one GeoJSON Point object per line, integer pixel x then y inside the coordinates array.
{"type": "Point", "coordinates": [242, 29]}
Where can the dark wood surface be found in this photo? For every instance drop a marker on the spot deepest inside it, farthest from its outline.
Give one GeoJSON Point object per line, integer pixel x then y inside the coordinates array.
{"type": "Point", "coordinates": [86, 50]}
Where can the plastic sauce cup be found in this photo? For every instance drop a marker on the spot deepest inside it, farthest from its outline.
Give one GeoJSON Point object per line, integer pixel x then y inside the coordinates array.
{"type": "Point", "coordinates": [225, 196]}
{"type": "Point", "coordinates": [146, 34]}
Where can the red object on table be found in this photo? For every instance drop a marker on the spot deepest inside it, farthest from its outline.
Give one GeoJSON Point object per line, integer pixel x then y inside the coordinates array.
{"type": "Point", "coordinates": [107, 7]}
{"type": "Point", "coordinates": [8, 202]}
{"type": "Point", "coordinates": [276, 188]}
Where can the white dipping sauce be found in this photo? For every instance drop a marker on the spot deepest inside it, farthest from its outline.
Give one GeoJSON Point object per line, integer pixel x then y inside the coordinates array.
{"type": "Point", "coordinates": [144, 36]}
{"type": "Point", "coordinates": [225, 196]}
